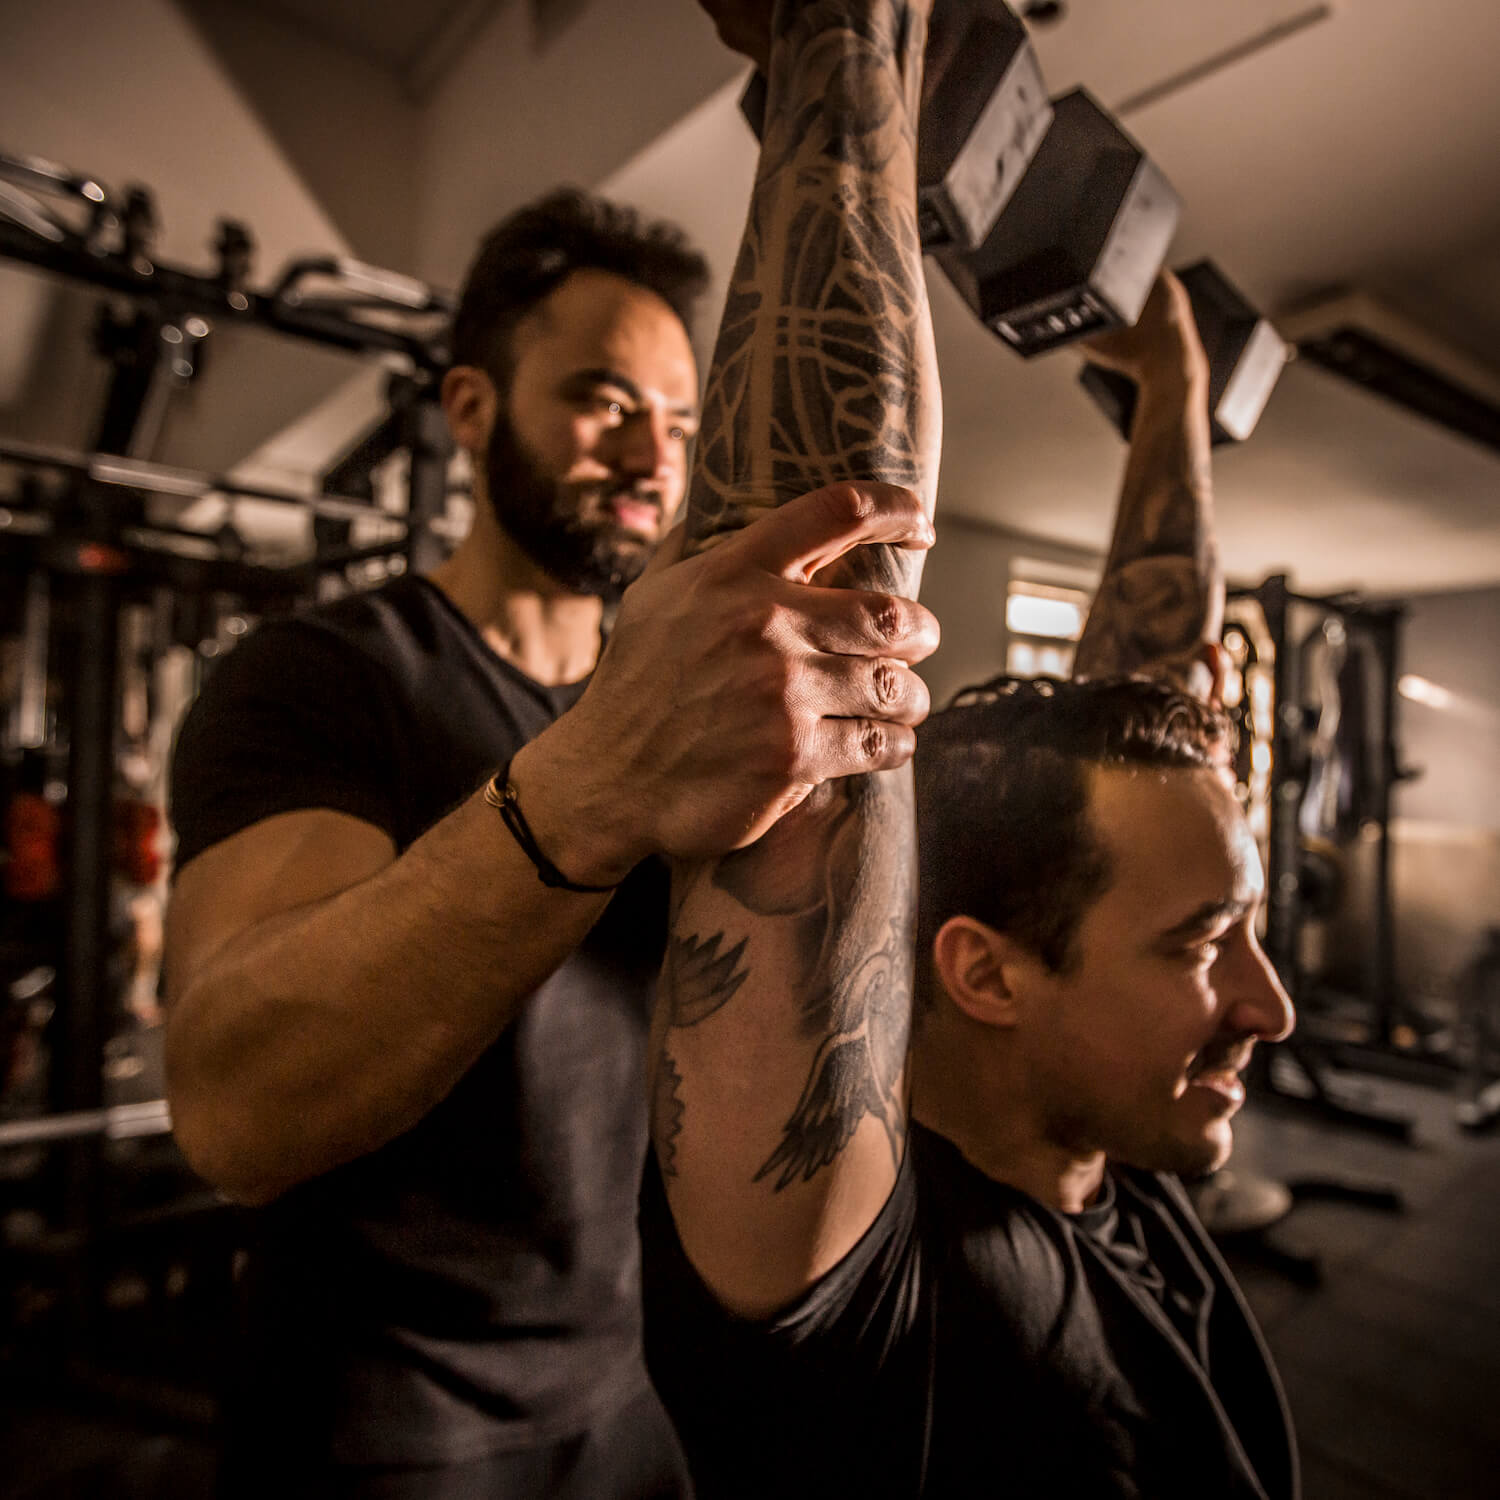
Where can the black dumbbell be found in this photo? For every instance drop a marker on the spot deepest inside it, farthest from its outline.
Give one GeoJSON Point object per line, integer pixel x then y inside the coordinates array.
{"type": "Point", "coordinates": [1245, 359]}
{"type": "Point", "coordinates": [1081, 240]}
{"type": "Point", "coordinates": [984, 113]}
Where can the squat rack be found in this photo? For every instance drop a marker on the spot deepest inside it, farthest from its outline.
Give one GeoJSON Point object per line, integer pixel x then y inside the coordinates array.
{"type": "Point", "coordinates": [82, 520]}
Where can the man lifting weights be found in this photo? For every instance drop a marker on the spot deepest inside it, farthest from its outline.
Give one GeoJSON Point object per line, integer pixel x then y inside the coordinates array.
{"type": "Point", "coordinates": [968, 1267]}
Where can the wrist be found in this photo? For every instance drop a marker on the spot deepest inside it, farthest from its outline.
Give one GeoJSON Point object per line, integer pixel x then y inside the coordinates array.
{"type": "Point", "coordinates": [580, 823]}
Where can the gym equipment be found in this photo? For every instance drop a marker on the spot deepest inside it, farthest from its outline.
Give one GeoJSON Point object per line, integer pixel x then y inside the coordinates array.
{"type": "Point", "coordinates": [106, 580]}
{"type": "Point", "coordinates": [984, 113]}
{"type": "Point", "coordinates": [1304, 1068]}
{"type": "Point", "coordinates": [1080, 242]}
{"type": "Point", "coordinates": [1479, 1109]}
{"type": "Point", "coordinates": [1245, 359]}
{"type": "Point", "coordinates": [366, 309]}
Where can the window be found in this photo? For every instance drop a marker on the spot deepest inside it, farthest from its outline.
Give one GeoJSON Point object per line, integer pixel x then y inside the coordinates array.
{"type": "Point", "coordinates": [1043, 620]}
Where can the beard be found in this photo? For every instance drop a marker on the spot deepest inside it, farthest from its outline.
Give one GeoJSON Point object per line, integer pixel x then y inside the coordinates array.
{"type": "Point", "coordinates": [571, 537]}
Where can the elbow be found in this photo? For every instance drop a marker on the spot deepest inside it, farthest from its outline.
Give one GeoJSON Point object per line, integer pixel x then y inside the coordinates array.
{"type": "Point", "coordinates": [212, 1128]}
{"type": "Point", "coordinates": [211, 1153]}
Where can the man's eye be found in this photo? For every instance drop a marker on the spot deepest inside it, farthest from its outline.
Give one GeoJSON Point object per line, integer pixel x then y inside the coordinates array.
{"type": "Point", "coordinates": [614, 408]}
{"type": "Point", "coordinates": [1201, 955]}
{"type": "Point", "coordinates": [677, 434]}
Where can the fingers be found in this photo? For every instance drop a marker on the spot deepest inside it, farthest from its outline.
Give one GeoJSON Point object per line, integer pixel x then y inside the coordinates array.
{"type": "Point", "coordinates": [846, 622]}
{"type": "Point", "coordinates": [816, 529]}
{"type": "Point", "coordinates": [856, 747]}
{"type": "Point", "coordinates": [852, 687]}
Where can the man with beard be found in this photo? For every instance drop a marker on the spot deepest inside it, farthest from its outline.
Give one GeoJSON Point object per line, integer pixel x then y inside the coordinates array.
{"type": "Point", "coordinates": [417, 913]}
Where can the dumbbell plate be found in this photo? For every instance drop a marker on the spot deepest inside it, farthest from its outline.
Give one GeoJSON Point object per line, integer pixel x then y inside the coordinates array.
{"type": "Point", "coordinates": [1245, 357]}
{"type": "Point", "coordinates": [1079, 243]}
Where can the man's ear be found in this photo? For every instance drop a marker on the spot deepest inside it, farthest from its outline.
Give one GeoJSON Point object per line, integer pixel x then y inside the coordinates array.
{"type": "Point", "coordinates": [470, 402]}
{"type": "Point", "coordinates": [979, 968]}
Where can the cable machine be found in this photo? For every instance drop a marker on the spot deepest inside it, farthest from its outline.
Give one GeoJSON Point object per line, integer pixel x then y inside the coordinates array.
{"type": "Point", "coordinates": [93, 545]}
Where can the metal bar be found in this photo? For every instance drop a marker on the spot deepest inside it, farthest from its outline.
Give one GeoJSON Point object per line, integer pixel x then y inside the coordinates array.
{"type": "Point", "coordinates": [119, 1122]}
{"type": "Point", "coordinates": [208, 296]}
{"type": "Point", "coordinates": [1382, 626]}
{"type": "Point", "coordinates": [94, 594]}
{"type": "Point", "coordinates": [160, 479]}
{"type": "Point", "coordinates": [1283, 903]}
{"type": "Point", "coordinates": [430, 447]}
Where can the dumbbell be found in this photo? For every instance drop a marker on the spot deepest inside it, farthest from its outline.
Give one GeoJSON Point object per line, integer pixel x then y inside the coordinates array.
{"type": "Point", "coordinates": [1080, 241]}
{"type": "Point", "coordinates": [1245, 359]}
{"type": "Point", "coordinates": [984, 112]}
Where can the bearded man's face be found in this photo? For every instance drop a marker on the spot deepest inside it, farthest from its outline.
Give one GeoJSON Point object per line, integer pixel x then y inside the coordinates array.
{"type": "Point", "coordinates": [587, 458]}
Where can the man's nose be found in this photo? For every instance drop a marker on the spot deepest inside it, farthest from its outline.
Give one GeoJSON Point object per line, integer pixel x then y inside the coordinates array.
{"type": "Point", "coordinates": [1260, 1005]}
{"type": "Point", "coordinates": [647, 448]}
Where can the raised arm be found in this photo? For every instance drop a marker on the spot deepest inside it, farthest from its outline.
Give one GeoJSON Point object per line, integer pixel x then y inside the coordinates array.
{"type": "Point", "coordinates": [779, 1049]}
{"type": "Point", "coordinates": [1160, 604]}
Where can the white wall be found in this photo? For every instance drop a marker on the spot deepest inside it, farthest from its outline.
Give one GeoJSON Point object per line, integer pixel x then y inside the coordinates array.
{"type": "Point", "coordinates": [518, 115]}
{"type": "Point", "coordinates": [1453, 640]}
{"type": "Point", "coordinates": [344, 123]}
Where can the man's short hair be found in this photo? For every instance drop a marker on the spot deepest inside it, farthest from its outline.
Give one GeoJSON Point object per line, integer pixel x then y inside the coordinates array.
{"type": "Point", "coordinates": [1003, 791]}
{"type": "Point", "coordinates": [527, 255]}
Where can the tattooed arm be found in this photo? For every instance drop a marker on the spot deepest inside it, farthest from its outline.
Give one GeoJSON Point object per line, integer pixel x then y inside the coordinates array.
{"type": "Point", "coordinates": [779, 1043]}
{"type": "Point", "coordinates": [1160, 604]}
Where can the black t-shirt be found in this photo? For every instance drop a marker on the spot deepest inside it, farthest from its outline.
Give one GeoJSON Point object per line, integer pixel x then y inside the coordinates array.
{"type": "Point", "coordinates": [974, 1343]}
{"type": "Point", "coordinates": [473, 1285]}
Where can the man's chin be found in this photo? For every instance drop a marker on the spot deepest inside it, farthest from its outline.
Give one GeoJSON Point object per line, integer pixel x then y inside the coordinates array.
{"type": "Point", "coordinates": [1189, 1156]}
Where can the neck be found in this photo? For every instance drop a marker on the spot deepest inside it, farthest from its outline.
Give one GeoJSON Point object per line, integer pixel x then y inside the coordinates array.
{"type": "Point", "coordinates": [968, 1089]}
{"type": "Point", "coordinates": [522, 614]}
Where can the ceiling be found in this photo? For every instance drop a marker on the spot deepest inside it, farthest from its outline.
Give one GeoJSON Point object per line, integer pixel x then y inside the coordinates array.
{"type": "Point", "coordinates": [416, 43]}
{"type": "Point", "coordinates": [1316, 147]}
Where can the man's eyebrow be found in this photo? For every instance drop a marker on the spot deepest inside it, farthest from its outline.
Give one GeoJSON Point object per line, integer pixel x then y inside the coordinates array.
{"type": "Point", "coordinates": [583, 380]}
{"type": "Point", "coordinates": [1210, 914]}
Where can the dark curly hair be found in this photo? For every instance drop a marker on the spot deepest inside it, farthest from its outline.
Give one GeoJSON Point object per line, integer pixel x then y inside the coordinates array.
{"type": "Point", "coordinates": [1002, 797]}
{"type": "Point", "coordinates": [528, 255]}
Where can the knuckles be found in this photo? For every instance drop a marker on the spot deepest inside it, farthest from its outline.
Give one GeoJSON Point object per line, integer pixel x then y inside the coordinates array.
{"type": "Point", "coordinates": [887, 684]}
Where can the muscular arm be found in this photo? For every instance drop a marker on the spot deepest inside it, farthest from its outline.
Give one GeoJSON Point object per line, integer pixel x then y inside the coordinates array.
{"type": "Point", "coordinates": [1160, 604]}
{"type": "Point", "coordinates": [324, 994]}
{"type": "Point", "coordinates": [779, 1044]}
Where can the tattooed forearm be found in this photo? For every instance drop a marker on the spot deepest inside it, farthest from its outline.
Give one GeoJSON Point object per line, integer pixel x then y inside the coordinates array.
{"type": "Point", "coordinates": [823, 368]}
{"type": "Point", "coordinates": [798, 950]}
{"type": "Point", "coordinates": [1162, 594]}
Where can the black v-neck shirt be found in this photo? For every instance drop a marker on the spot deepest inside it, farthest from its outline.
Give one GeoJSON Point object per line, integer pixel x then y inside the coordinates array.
{"type": "Point", "coordinates": [472, 1286]}
{"type": "Point", "coordinates": [977, 1343]}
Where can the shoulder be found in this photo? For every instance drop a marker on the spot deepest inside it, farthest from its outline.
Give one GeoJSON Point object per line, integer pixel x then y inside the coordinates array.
{"type": "Point", "coordinates": [401, 616]}
{"type": "Point", "coordinates": [353, 643]}
{"type": "Point", "coordinates": [1005, 1258]}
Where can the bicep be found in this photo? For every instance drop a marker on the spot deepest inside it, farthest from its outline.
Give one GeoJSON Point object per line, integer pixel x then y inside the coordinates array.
{"type": "Point", "coordinates": [259, 874]}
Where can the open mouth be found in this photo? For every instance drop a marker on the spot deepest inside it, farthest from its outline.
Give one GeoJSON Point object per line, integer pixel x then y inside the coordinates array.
{"type": "Point", "coordinates": [634, 514]}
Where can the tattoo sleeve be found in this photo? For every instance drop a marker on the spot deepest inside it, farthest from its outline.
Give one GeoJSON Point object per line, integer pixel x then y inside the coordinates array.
{"type": "Point", "coordinates": [800, 947]}
{"type": "Point", "coordinates": [1162, 594]}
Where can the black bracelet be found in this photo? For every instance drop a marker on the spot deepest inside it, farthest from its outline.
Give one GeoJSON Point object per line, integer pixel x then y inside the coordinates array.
{"type": "Point", "coordinates": [500, 793]}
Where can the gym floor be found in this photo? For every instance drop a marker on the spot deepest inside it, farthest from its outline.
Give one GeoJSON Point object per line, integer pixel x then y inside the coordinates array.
{"type": "Point", "coordinates": [1391, 1365]}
